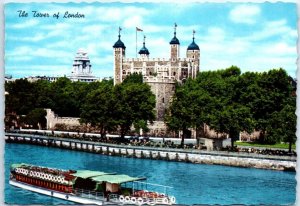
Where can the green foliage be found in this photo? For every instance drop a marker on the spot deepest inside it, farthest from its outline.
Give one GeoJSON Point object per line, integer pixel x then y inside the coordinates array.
{"type": "Point", "coordinates": [134, 105]}
{"type": "Point", "coordinates": [21, 98]}
{"type": "Point", "coordinates": [36, 118]}
{"type": "Point", "coordinates": [282, 125]}
{"type": "Point", "coordinates": [96, 110]}
{"type": "Point", "coordinates": [230, 102]}
{"type": "Point", "coordinates": [134, 78]}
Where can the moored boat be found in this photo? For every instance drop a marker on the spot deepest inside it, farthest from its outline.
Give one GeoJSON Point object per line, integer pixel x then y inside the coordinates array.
{"type": "Point", "coordinates": [86, 186]}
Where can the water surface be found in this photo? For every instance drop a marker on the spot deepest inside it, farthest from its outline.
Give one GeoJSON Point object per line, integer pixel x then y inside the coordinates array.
{"type": "Point", "coordinates": [192, 183]}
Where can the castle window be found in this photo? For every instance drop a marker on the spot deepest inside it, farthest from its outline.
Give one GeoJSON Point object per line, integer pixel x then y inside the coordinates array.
{"type": "Point", "coordinates": [150, 73]}
{"type": "Point", "coordinates": [174, 73]}
{"type": "Point", "coordinates": [163, 100]}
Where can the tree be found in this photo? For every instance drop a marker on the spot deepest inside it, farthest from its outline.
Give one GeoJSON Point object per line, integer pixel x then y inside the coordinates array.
{"type": "Point", "coordinates": [134, 103]}
{"type": "Point", "coordinates": [21, 98]}
{"type": "Point", "coordinates": [97, 109]}
{"type": "Point", "coordinates": [265, 93]}
{"type": "Point", "coordinates": [134, 78]}
{"type": "Point", "coordinates": [36, 118]}
{"type": "Point", "coordinates": [231, 120]}
{"type": "Point", "coordinates": [189, 108]}
{"type": "Point", "coordinates": [282, 125]}
{"type": "Point", "coordinates": [179, 117]}
{"type": "Point", "coordinates": [228, 114]}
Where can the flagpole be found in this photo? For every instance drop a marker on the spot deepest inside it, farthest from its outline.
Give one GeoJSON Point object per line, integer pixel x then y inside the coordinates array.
{"type": "Point", "coordinates": [136, 42]}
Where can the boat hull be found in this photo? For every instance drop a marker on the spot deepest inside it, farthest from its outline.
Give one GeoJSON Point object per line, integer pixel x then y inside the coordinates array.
{"type": "Point", "coordinates": [52, 193]}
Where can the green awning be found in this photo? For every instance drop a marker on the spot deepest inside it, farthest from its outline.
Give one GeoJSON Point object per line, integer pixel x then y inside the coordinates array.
{"type": "Point", "coordinates": [13, 166]}
{"type": "Point", "coordinates": [116, 179]}
{"type": "Point", "coordinates": [88, 173]}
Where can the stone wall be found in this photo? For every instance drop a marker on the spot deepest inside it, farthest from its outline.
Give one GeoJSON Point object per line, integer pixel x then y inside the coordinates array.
{"type": "Point", "coordinates": [53, 119]}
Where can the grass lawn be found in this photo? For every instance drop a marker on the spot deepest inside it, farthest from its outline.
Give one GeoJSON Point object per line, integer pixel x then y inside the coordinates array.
{"type": "Point", "coordinates": [254, 144]}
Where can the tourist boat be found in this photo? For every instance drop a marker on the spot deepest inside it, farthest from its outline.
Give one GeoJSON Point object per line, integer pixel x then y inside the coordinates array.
{"type": "Point", "coordinates": [87, 187]}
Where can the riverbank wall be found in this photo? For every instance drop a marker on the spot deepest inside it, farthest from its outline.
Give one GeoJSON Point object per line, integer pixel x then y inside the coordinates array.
{"type": "Point", "coordinates": [247, 160]}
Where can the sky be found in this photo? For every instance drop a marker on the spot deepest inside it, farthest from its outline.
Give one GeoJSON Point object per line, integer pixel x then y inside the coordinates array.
{"type": "Point", "coordinates": [253, 36]}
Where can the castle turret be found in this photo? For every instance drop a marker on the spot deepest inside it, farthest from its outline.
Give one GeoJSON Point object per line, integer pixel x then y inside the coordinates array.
{"type": "Point", "coordinates": [119, 54]}
{"type": "Point", "coordinates": [193, 53]}
{"type": "Point", "coordinates": [174, 46]}
{"type": "Point", "coordinates": [144, 52]}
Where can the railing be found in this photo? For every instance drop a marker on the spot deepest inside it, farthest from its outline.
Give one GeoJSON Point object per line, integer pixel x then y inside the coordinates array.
{"type": "Point", "coordinates": [114, 197]}
{"type": "Point", "coordinates": [167, 200]}
{"type": "Point", "coordinates": [89, 194]}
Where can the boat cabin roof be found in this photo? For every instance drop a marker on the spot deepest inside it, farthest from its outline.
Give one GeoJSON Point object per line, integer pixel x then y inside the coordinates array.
{"type": "Point", "coordinates": [89, 173]}
{"type": "Point", "coordinates": [116, 179]}
{"type": "Point", "coordinates": [16, 165]}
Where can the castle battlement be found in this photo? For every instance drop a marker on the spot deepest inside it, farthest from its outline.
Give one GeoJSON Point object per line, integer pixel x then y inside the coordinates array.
{"type": "Point", "coordinates": [153, 79]}
{"type": "Point", "coordinates": [126, 60]}
{"type": "Point", "coordinates": [145, 59]}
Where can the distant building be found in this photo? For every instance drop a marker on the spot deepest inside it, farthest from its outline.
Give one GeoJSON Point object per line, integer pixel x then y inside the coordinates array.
{"type": "Point", "coordinates": [36, 78]}
{"type": "Point", "coordinates": [8, 78]}
{"type": "Point", "coordinates": [82, 68]}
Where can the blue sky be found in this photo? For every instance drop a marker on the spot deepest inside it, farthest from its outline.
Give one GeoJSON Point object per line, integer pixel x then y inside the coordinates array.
{"type": "Point", "coordinates": [252, 36]}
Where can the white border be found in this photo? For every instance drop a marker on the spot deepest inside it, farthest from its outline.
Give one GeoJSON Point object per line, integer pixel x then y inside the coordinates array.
{"type": "Point", "coordinates": [2, 142]}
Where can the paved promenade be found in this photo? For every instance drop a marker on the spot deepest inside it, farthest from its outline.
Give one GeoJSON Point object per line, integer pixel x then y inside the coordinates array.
{"type": "Point", "coordinates": [170, 154]}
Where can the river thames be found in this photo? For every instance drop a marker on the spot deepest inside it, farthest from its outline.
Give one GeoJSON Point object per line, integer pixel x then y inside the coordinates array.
{"type": "Point", "coordinates": [192, 183]}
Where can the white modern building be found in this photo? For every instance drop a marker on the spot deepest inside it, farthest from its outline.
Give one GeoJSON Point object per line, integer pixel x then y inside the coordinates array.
{"type": "Point", "coordinates": [82, 68]}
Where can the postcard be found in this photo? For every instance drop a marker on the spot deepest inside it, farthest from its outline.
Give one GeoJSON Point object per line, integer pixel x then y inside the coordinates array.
{"type": "Point", "coordinates": [150, 103]}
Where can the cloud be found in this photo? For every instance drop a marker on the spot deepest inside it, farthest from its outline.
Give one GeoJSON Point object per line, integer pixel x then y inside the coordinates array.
{"type": "Point", "coordinates": [30, 52]}
{"type": "Point", "coordinates": [35, 38]}
{"type": "Point", "coordinates": [280, 49]}
{"type": "Point", "coordinates": [133, 21]}
{"type": "Point", "coordinates": [277, 28]}
{"type": "Point", "coordinates": [24, 25]}
{"type": "Point", "coordinates": [245, 14]}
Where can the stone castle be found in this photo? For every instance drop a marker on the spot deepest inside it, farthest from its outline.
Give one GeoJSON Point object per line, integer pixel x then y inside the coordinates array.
{"type": "Point", "coordinates": [161, 74]}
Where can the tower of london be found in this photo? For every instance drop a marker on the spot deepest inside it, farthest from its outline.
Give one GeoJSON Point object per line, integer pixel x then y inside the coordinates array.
{"type": "Point", "coordinates": [160, 73]}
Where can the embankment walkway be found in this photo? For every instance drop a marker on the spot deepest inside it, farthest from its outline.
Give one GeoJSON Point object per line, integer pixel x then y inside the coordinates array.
{"type": "Point", "coordinates": [286, 163]}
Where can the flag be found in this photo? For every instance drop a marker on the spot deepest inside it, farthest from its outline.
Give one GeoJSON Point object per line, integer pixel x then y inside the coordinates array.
{"type": "Point", "coordinates": [138, 29]}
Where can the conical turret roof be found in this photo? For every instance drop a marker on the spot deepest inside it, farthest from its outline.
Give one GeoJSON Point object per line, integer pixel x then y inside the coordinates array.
{"type": "Point", "coordinates": [144, 50]}
{"type": "Point", "coordinates": [119, 43]}
{"type": "Point", "coordinates": [174, 40]}
{"type": "Point", "coordinates": [193, 45]}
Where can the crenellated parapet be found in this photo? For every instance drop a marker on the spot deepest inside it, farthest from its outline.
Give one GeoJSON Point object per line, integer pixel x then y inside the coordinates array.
{"type": "Point", "coordinates": [161, 80]}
